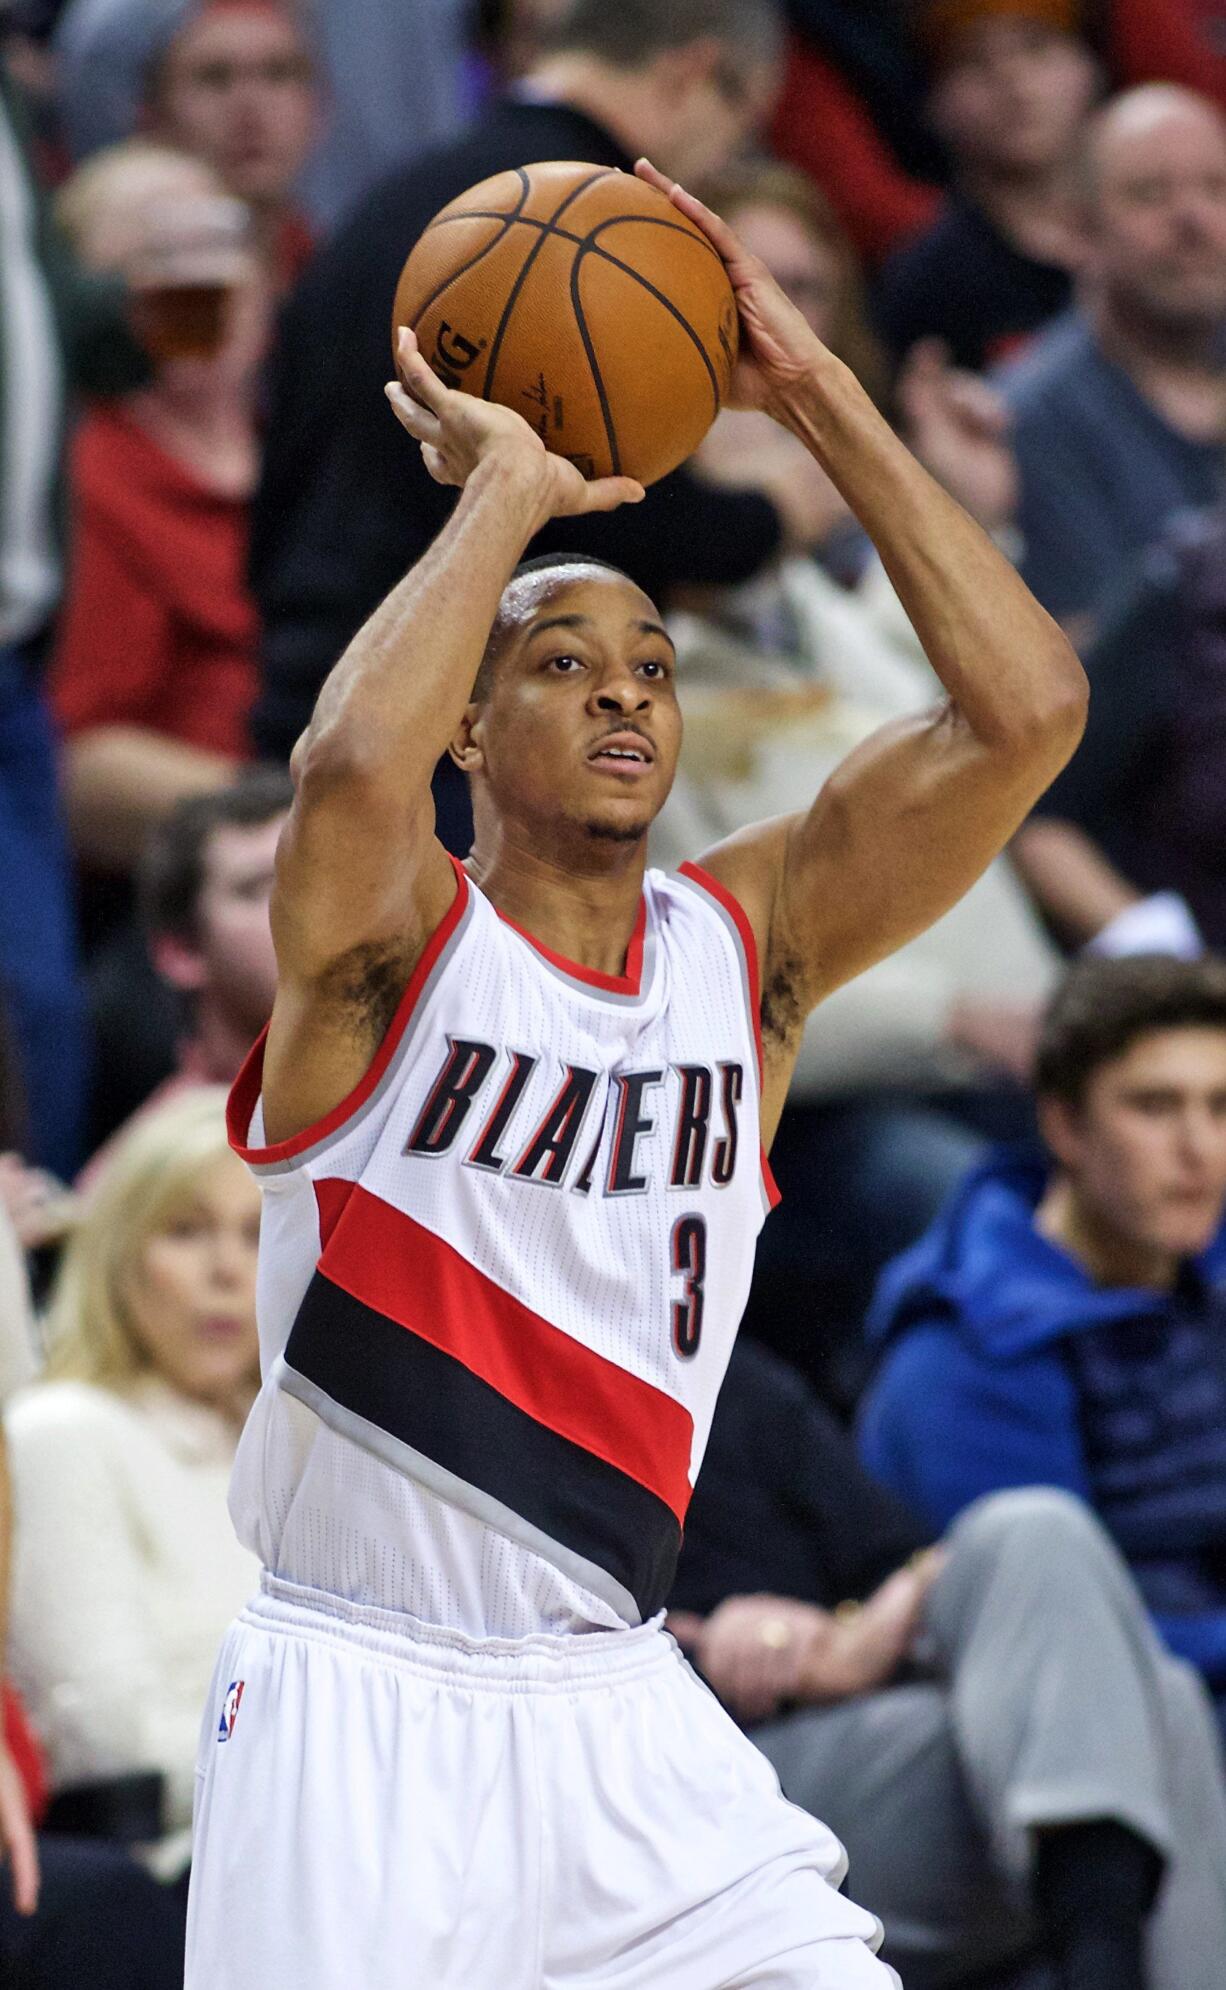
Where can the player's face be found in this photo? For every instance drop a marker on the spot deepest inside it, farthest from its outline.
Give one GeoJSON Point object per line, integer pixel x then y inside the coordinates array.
{"type": "Point", "coordinates": [190, 1297]}
{"type": "Point", "coordinates": [1146, 1151]}
{"type": "Point", "coordinates": [581, 729]}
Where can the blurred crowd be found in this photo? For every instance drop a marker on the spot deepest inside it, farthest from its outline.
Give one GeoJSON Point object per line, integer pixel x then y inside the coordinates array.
{"type": "Point", "coordinates": [957, 1557]}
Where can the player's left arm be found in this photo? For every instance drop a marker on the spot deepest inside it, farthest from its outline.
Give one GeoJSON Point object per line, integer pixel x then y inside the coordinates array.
{"type": "Point", "coordinates": [913, 816]}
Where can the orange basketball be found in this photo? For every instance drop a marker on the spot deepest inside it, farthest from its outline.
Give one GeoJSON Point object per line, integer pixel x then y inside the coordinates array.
{"type": "Point", "coordinates": [580, 297]}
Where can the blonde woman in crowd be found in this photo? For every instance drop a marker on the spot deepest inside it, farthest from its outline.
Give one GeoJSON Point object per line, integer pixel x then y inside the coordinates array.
{"type": "Point", "coordinates": [126, 1570]}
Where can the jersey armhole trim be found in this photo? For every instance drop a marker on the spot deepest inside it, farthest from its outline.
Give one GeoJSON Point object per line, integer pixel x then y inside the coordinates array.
{"type": "Point", "coordinates": [245, 1091]}
{"type": "Point", "coordinates": [731, 905]}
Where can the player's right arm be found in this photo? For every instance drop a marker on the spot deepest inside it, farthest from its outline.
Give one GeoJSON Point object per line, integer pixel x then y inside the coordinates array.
{"type": "Point", "coordinates": [362, 881]}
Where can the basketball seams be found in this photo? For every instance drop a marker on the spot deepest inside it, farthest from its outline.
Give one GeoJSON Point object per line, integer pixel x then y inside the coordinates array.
{"type": "Point", "coordinates": [508, 222]}
{"type": "Point", "coordinates": [685, 228]}
{"type": "Point", "coordinates": [525, 271]}
{"type": "Point", "coordinates": [606, 412]}
{"type": "Point", "coordinates": [592, 247]}
{"type": "Point", "coordinates": [582, 246]}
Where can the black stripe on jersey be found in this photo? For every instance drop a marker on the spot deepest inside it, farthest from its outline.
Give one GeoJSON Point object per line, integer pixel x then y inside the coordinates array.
{"type": "Point", "coordinates": [427, 1399]}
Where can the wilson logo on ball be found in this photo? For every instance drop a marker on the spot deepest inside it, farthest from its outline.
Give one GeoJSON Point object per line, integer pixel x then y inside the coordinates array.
{"type": "Point", "coordinates": [454, 354]}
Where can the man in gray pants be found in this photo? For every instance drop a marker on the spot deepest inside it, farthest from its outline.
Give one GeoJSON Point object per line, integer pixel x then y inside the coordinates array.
{"type": "Point", "coordinates": [1024, 1779]}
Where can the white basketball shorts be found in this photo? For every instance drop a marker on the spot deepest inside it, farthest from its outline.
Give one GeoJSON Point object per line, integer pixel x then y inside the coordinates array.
{"type": "Point", "coordinates": [381, 1805]}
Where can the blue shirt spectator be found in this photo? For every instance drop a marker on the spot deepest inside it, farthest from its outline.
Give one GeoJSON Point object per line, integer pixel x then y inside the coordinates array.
{"type": "Point", "coordinates": [1119, 409]}
{"type": "Point", "coordinates": [1063, 1323]}
{"type": "Point", "coordinates": [1102, 470]}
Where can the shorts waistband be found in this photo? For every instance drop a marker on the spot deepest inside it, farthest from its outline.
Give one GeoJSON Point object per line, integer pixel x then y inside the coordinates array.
{"type": "Point", "coordinates": [542, 1663]}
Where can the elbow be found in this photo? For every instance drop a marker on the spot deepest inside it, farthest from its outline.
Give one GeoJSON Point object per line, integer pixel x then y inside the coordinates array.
{"type": "Point", "coordinates": [1044, 730]}
{"type": "Point", "coordinates": [331, 761]}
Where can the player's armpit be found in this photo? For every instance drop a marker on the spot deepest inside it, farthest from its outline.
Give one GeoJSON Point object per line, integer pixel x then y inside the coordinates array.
{"type": "Point", "coordinates": [355, 903]}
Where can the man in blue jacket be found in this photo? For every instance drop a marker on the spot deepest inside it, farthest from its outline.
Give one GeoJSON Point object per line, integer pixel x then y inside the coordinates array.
{"type": "Point", "coordinates": [1063, 1323]}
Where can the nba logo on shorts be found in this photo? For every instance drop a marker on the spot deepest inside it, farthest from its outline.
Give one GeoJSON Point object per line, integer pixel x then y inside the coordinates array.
{"type": "Point", "coordinates": [229, 1709]}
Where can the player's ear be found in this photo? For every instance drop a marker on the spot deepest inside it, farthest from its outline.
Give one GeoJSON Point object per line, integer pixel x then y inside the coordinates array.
{"type": "Point", "coordinates": [465, 748]}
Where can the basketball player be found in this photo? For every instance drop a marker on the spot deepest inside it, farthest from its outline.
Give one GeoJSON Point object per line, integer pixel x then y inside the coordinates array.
{"type": "Point", "coordinates": [511, 1119]}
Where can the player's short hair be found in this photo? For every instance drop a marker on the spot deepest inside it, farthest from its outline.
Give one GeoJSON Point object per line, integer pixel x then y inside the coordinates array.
{"type": "Point", "coordinates": [629, 33]}
{"type": "Point", "coordinates": [172, 870]}
{"type": "Point", "coordinates": [1103, 1007]}
{"type": "Point", "coordinates": [543, 563]}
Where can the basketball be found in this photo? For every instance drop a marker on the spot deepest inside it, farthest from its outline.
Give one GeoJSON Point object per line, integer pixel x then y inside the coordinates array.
{"type": "Point", "coordinates": [580, 297]}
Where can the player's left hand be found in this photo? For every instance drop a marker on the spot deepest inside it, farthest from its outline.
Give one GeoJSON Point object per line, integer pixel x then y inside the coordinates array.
{"type": "Point", "coordinates": [778, 347]}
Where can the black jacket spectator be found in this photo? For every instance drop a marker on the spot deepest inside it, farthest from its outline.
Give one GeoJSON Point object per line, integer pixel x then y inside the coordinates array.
{"type": "Point", "coordinates": [783, 1504]}
{"type": "Point", "coordinates": [965, 283]}
{"type": "Point", "coordinates": [345, 507]}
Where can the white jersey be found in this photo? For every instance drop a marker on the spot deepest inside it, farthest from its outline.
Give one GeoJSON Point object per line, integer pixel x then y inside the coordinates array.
{"type": "Point", "coordinates": [500, 1283]}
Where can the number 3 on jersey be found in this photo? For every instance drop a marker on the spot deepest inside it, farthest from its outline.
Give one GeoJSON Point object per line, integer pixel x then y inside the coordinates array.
{"type": "Point", "coordinates": [689, 1262]}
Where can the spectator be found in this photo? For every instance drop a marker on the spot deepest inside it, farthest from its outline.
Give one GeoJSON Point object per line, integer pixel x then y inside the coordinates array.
{"type": "Point", "coordinates": [72, 1911]}
{"type": "Point", "coordinates": [154, 668]}
{"type": "Point", "coordinates": [901, 1072]}
{"type": "Point", "coordinates": [1062, 1322]}
{"type": "Point", "coordinates": [392, 80]}
{"type": "Point", "coordinates": [1119, 409]}
{"type": "Point", "coordinates": [1005, 1695]}
{"type": "Point", "coordinates": [851, 110]}
{"type": "Point", "coordinates": [850, 116]}
{"type": "Point", "coordinates": [687, 83]}
{"type": "Point", "coordinates": [206, 881]}
{"type": "Point", "coordinates": [126, 1569]}
{"type": "Point", "coordinates": [1125, 850]}
{"type": "Point", "coordinates": [58, 328]}
{"type": "Point", "coordinates": [235, 86]}
{"type": "Point", "coordinates": [1011, 89]}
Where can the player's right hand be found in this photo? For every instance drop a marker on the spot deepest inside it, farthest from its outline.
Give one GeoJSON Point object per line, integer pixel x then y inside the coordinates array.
{"type": "Point", "coordinates": [458, 431]}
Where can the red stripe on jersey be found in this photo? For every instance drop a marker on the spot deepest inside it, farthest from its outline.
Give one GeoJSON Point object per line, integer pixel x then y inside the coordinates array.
{"type": "Point", "coordinates": [245, 1091]}
{"type": "Point", "coordinates": [617, 984]}
{"type": "Point", "coordinates": [749, 946]}
{"type": "Point", "coordinates": [394, 1265]}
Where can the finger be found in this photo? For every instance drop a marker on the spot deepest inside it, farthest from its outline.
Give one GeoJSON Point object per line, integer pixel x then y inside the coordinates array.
{"type": "Point", "coordinates": [419, 421]}
{"type": "Point", "coordinates": [923, 368]}
{"type": "Point", "coordinates": [417, 378]}
{"type": "Point", "coordinates": [713, 226]}
{"type": "Point", "coordinates": [436, 464]}
{"type": "Point", "coordinates": [21, 1846]}
{"type": "Point", "coordinates": [607, 493]}
{"type": "Point", "coordinates": [979, 403]}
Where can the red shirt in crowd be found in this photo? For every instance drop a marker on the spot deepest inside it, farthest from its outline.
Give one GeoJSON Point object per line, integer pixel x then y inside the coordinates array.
{"type": "Point", "coordinates": [158, 628]}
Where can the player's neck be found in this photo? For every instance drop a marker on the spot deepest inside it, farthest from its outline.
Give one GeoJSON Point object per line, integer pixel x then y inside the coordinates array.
{"type": "Point", "coordinates": [585, 912]}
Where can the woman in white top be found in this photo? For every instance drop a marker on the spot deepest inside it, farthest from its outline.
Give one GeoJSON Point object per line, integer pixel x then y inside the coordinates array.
{"type": "Point", "coordinates": [126, 1568]}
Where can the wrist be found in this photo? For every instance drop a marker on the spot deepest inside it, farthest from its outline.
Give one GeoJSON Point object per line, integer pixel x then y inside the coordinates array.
{"type": "Point", "coordinates": [513, 483]}
{"type": "Point", "coordinates": [794, 403]}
